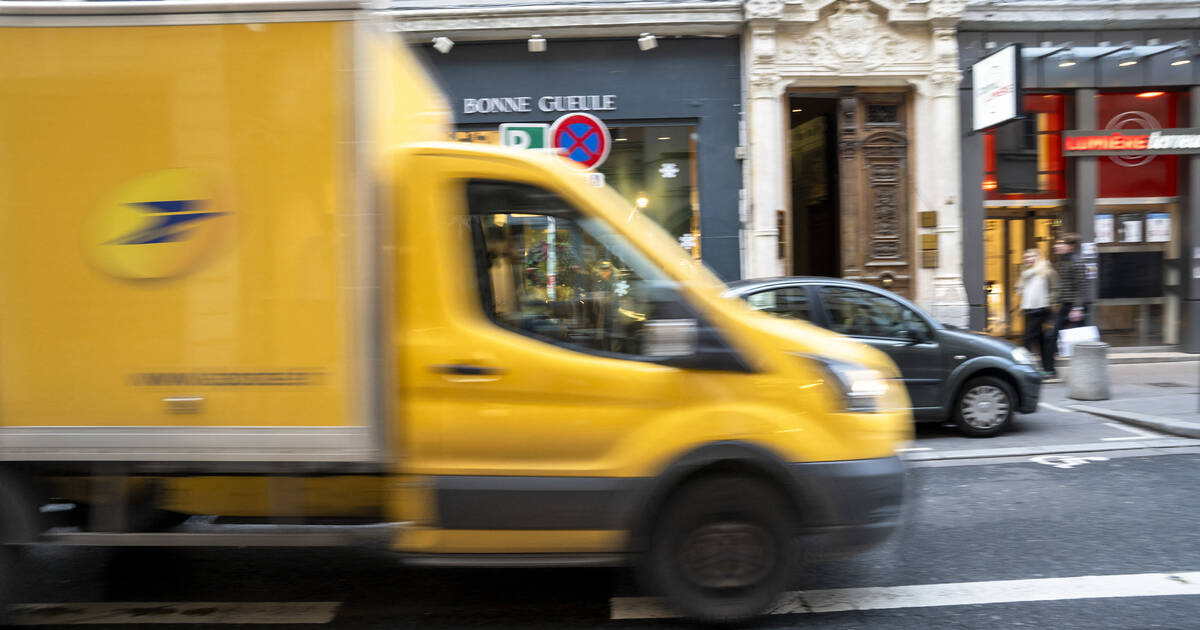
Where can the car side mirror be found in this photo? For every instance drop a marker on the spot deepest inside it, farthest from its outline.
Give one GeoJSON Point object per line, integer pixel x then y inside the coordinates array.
{"type": "Point", "coordinates": [666, 338]}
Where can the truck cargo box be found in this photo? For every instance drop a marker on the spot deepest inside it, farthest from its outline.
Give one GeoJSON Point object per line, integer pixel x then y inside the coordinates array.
{"type": "Point", "coordinates": [190, 230]}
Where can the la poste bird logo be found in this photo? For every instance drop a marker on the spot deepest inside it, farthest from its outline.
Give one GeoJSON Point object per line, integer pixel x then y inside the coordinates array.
{"type": "Point", "coordinates": [158, 225]}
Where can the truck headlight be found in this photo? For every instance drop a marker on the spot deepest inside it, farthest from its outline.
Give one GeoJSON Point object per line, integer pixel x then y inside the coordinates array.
{"type": "Point", "coordinates": [862, 388]}
{"type": "Point", "coordinates": [1023, 356]}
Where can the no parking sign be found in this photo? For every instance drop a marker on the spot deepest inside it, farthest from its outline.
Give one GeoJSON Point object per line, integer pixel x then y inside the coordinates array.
{"type": "Point", "coordinates": [582, 138]}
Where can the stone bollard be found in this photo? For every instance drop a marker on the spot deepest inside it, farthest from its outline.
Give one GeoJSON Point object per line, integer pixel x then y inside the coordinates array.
{"type": "Point", "coordinates": [1087, 378]}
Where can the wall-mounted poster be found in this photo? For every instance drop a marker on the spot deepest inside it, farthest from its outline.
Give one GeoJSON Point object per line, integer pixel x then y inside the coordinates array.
{"type": "Point", "coordinates": [1158, 227]}
{"type": "Point", "coordinates": [1129, 228]}
{"type": "Point", "coordinates": [1104, 228]}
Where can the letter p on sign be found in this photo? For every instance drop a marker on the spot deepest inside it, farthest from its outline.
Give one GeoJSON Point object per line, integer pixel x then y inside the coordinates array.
{"type": "Point", "coordinates": [524, 136]}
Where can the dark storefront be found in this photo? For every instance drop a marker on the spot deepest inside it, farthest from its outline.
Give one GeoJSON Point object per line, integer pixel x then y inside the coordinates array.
{"type": "Point", "coordinates": [1027, 182]}
{"type": "Point", "coordinates": [672, 111]}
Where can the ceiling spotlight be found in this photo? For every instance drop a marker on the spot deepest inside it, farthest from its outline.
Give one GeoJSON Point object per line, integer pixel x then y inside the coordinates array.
{"type": "Point", "coordinates": [443, 44]}
{"type": "Point", "coordinates": [1127, 59]}
{"type": "Point", "coordinates": [537, 43]}
{"type": "Point", "coordinates": [1181, 57]}
{"type": "Point", "coordinates": [1066, 61]}
{"type": "Point", "coordinates": [647, 41]}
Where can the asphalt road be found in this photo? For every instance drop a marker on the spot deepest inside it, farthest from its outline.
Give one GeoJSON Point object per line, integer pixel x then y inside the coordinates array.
{"type": "Point", "coordinates": [1053, 427]}
{"type": "Point", "coordinates": [987, 519]}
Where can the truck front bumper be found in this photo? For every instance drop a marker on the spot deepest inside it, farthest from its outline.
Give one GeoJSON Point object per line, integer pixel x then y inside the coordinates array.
{"type": "Point", "coordinates": [850, 505]}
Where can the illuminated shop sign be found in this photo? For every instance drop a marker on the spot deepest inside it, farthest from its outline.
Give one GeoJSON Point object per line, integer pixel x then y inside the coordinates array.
{"type": "Point", "coordinates": [1141, 142]}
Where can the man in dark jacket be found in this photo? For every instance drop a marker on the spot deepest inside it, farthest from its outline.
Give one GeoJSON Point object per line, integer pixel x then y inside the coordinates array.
{"type": "Point", "coordinates": [1074, 294]}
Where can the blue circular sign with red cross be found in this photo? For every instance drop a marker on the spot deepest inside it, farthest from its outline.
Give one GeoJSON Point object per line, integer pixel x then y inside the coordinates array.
{"type": "Point", "coordinates": [582, 138]}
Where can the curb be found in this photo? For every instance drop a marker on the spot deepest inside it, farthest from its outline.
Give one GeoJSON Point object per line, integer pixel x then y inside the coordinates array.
{"type": "Point", "coordinates": [1158, 423]}
{"type": "Point", "coordinates": [1117, 359]}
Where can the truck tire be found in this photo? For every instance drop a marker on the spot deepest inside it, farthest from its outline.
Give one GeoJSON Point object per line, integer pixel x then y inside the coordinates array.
{"type": "Point", "coordinates": [985, 407]}
{"type": "Point", "coordinates": [723, 549]}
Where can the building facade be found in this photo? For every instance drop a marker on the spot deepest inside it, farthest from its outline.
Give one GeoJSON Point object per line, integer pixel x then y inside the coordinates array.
{"type": "Point", "coordinates": [853, 130]}
{"type": "Point", "coordinates": [1095, 76]}
{"type": "Point", "coordinates": [665, 78]}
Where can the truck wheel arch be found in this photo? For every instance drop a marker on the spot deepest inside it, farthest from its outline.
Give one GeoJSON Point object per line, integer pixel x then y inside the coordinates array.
{"type": "Point", "coordinates": [717, 458]}
{"type": "Point", "coordinates": [20, 520]}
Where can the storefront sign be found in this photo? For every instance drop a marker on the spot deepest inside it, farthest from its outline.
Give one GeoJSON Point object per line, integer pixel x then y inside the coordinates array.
{"type": "Point", "coordinates": [996, 81]}
{"type": "Point", "coordinates": [1156, 142]}
{"type": "Point", "coordinates": [546, 104]}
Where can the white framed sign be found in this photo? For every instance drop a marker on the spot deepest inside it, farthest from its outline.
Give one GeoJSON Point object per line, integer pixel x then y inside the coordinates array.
{"type": "Point", "coordinates": [1158, 227]}
{"type": "Point", "coordinates": [1104, 228]}
{"type": "Point", "coordinates": [996, 88]}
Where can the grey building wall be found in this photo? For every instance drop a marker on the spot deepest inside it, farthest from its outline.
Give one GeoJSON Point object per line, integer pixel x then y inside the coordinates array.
{"type": "Point", "coordinates": [684, 80]}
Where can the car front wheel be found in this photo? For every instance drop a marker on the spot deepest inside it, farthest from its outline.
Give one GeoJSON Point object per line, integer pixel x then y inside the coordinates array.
{"type": "Point", "coordinates": [985, 407]}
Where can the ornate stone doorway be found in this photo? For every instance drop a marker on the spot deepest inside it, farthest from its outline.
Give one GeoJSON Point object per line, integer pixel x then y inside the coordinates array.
{"type": "Point", "coordinates": [849, 217]}
{"type": "Point", "coordinates": [896, 136]}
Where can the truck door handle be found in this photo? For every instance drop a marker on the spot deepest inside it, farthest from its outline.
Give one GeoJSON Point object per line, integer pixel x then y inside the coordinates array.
{"type": "Point", "coordinates": [461, 369]}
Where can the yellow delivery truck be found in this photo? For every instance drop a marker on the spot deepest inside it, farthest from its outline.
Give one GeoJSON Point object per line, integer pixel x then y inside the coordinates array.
{"type": "Point", "coordinates": [241, 277]}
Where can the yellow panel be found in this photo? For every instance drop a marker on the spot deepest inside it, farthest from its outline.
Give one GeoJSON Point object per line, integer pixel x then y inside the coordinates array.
{"type": "Point", "coordinates": [347, 496]}
{"type": "Point", "coordinates": [171, 224]}
{"type": "Point", "coordinates": [422, 540]}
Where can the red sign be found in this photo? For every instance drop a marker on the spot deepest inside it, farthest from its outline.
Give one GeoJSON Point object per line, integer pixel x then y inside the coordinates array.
{"type": "Point", "coordinates": [582, 138]}
{"type": "Point", "coordinates": [1139, 172]}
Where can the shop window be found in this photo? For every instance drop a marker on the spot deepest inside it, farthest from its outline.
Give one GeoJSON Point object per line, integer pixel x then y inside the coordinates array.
{"type": "Point", "coordinates": [1023, 159]}
{"type": "Point", "coordinates": [653, 168]}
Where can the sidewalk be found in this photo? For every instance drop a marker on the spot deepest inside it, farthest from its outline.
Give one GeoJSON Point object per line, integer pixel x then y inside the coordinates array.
{"type": "Point", "coordinates": [1163, 396]}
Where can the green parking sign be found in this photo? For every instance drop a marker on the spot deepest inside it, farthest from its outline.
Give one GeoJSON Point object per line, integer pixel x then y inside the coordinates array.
{"type": "Point", "coordinates": [524, 136]}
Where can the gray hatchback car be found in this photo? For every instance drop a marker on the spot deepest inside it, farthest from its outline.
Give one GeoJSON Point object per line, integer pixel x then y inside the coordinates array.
{"type": "Point", "coordinates": [977, 381]}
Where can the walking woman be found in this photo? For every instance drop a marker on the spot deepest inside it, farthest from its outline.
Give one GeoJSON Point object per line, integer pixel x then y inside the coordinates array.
{"type": "Point", "coordinates": [1037, 286]}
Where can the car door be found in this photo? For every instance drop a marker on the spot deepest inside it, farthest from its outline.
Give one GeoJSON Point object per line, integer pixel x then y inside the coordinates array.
{"type": "Point", "coordinates": [899, 331]}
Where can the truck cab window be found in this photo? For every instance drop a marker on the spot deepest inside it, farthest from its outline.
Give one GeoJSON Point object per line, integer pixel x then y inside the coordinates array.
{"type": "Point", "coordinates": [548, 271]}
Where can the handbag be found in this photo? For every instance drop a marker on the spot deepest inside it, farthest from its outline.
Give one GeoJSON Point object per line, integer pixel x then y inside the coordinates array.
{"type": "Point", "coordinates": [1067, 338]}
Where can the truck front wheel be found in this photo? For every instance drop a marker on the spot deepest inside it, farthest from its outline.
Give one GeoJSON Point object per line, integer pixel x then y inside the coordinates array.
{"type": "Point", "coordinates": [723, 549]}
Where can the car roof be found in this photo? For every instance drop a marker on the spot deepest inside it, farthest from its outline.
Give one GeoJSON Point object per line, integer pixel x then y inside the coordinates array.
{"type": "Point", "coordinates": [742, 288]}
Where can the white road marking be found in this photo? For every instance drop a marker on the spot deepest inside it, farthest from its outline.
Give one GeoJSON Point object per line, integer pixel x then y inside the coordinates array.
{"type": "Point", "coordinates": [1055, 408]}
{"type": "Point", "coordinates": [955, 594]}
{"type": "Point", "coordinates": [1065, 461]}
{"type": "Point", "coordinates": [173, 612]}
{"type": "Point", "coordinates": [1138, 434]}
{"type": "Point", "coordinates": [913, 450]}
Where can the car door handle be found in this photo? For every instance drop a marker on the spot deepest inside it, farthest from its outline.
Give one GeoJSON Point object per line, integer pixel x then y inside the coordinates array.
{"type": "Point", "coordinates": [462, 369]}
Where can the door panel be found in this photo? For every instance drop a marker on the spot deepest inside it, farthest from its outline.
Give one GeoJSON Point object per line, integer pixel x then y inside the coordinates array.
{"type": "Point", "coordinates": [530, 357]}
{"type": "Point", "coordinates": [882, 322]}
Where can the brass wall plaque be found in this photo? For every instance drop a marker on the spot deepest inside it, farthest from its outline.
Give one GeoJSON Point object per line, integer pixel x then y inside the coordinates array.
{"type": "Point", "coordinates": [928, 218]}
{"type": "Point", "coordinates": [929, 259]}
{"type": "Point", "coordinates": [929, 242]}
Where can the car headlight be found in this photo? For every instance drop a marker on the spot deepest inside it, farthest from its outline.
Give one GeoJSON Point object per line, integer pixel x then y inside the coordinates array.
{"type": "Point", "coordinates": [1023, 356]}
{"type": "Point", "coordinates": [862, 388]}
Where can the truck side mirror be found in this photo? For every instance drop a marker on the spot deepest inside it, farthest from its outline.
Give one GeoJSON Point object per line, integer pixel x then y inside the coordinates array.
{"type": "Point", "coordinates": [664, 338]}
